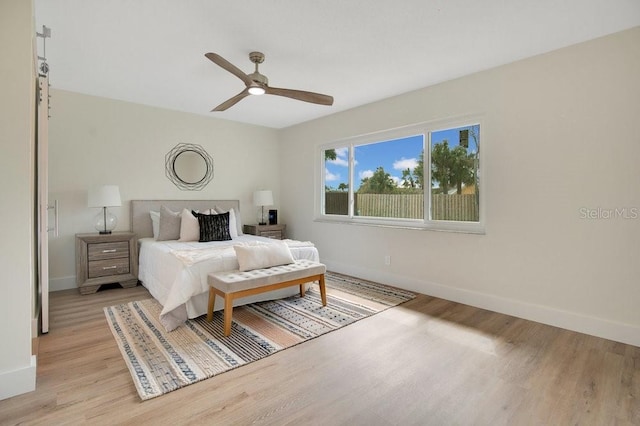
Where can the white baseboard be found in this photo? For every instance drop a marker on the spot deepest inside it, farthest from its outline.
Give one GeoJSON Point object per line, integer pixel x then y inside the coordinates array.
{"type": "Point", "coordinates": [19, 381]}
{"type": "Point", "coordinates": [599, 327]}
{"type": "Point", "coordinates": [64, 283]}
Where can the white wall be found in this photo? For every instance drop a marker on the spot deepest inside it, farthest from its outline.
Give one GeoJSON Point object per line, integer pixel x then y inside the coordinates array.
{"type": "Point", "coordinates": [560, 134]}
{"type": "Point", "coordinates": [97, 141]}
{"type": "Point", "coordinates": [17, 115]}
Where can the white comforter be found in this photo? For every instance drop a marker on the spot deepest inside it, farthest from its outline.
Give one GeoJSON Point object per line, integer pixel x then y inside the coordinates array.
{"type": "Point", "coordinates": [175, 273]}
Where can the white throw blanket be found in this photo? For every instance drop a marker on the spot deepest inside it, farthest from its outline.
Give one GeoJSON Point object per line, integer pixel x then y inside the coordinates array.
{"type": "Point", "coordinates": [192, 256]}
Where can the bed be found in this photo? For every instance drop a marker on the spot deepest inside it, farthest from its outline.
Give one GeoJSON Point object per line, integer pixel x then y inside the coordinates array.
{"type": "Point", "coordinates": [175, 273]}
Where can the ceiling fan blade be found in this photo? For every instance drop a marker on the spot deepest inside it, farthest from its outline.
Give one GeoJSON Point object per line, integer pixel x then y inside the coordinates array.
{"type": "Point", "coordinates": [232, 101]}
{"type": "Point", "coordinates": [301, 95]}
{"type": "Point", "coordinates": [223, 63]}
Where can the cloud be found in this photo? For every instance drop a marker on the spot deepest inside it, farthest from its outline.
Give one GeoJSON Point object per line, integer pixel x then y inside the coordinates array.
{"type": "Point", "coordinates": [339, 162]}
{"type": "Point", "coordinates": [342, 152]}
{"type": "Point", "coordinates": [342, 157]}
{"type": "Point", "coordinates": [330, 177]}
{"type": "Point", "coordinates": [365, 174]}
{"type": "Point", "coordinates": [405, 163]}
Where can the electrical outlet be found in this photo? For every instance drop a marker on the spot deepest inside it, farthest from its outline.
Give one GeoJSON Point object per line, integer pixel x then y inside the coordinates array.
{"type": "Point", "coordinates": [387, 260]}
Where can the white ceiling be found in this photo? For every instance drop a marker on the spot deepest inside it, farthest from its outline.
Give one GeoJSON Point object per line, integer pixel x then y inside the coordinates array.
{"type": "Point", "coordinates": [359, 51]}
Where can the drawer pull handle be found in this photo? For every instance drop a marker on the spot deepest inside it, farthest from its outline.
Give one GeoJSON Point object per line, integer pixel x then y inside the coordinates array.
{"type": "Point", "coordinates": [109, 267]}
{"type": "Point", "coordinates": [109, 251]}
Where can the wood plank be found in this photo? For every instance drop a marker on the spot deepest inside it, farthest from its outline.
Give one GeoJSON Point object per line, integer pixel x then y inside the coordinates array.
{"type": "Point", "coordinates": [426, 361]}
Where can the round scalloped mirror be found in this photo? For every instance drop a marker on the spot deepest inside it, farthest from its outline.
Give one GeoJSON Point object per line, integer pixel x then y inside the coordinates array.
{"type": "Point", "coordinates": [189, 167]}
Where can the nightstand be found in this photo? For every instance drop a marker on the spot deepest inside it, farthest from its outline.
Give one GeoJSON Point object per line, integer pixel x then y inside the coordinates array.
{"type": "Point", "coordinates": [106, 259]}
{"type": "Point", "coordinates": [277, 232]}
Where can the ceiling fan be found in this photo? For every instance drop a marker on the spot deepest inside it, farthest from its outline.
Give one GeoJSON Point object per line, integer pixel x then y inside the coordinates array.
{"type": "Point", "coordinates": [258, 84]}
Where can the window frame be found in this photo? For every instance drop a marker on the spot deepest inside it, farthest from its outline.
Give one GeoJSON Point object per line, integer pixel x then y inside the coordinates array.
{"type": "Point", "coordinates": [426, 223]}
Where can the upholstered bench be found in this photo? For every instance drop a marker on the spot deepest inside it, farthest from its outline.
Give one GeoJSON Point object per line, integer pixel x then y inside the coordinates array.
{"type": "Point", "coordinates": [235, 284]}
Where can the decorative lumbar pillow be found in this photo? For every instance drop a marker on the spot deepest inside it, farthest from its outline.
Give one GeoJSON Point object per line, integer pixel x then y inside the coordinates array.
{"type": "Point", "coordinates": [155, 222]}
{"type": "Point", "coordinates": [235, 224]}
{"type": "Point", "coordinates": [213, 227]}
{"type": "Point", "coordinates": [258, 255]}
{"type": "Point", "coordinates": [169, 227]}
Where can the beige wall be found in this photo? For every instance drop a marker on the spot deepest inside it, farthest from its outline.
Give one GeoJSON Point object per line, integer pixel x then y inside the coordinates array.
{"type": "Point", "coordinates": [17, 88]}
{"type": "Point", "coordinates": [97, 141]}
{"type": "Point", "coordinates": [560, 134]}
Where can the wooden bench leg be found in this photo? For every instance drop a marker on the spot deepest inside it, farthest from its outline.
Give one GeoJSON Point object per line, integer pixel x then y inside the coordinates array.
{"type": "Point", "coordinates": [212, 299]}
{"type": "Point", "coordinates": [228, 314]}
{"type": "Point", "coordinates": [229, 297]}
{"type": "Point", "coordinates": [323, 290]}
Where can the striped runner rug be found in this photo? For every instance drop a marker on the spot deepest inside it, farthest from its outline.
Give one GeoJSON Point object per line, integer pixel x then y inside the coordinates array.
{"type": "Point", "coordinates": [161, 361]}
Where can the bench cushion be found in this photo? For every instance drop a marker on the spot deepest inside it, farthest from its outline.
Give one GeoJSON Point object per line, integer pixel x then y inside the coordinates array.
{"type": "Point", "coordinates": [236, 280]}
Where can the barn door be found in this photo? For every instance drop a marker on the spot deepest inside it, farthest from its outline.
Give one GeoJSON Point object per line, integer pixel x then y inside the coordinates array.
{"type": "Point", "coordinates": [45, 210]}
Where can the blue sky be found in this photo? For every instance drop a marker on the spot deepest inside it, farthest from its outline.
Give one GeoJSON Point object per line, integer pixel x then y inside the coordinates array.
{"type": "Point", "coordinates": [394, 156]}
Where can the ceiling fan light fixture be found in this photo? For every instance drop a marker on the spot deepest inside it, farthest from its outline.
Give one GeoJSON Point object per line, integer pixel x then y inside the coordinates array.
{"type": "Point", "coordinates": [256, 90]}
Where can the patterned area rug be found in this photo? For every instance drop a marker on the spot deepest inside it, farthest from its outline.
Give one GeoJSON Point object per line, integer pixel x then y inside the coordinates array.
{"type": "Point", "coordinates": [161, 361]}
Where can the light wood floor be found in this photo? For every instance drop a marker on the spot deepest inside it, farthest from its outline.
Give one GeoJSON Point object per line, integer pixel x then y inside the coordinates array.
{"type": "Point", "coordinates": [428, 362]}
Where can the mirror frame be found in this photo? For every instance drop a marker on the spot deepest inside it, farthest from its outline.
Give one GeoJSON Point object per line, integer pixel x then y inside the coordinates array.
{"type": "Point", "coordinates": [172, 175]}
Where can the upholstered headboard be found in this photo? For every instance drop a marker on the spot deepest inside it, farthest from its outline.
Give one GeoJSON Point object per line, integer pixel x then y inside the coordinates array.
{"type": "Point", "coordinates": [141, 221]}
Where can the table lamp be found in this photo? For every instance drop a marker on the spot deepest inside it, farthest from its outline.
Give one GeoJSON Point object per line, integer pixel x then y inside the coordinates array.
{"type": "Point", "coordinates": [105, 196]}
{"type": "Point", "coordinates": [262, 199]}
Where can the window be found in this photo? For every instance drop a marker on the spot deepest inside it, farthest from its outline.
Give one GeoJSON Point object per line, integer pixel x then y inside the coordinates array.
{"type": "Point", "coordinates": [454, 159]}
{"type": "Point", "coordinates": [424, 176]}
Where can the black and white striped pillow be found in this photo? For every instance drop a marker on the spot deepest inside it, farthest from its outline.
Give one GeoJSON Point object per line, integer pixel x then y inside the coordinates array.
{"type": "Point", "coordinates": [213, 227]}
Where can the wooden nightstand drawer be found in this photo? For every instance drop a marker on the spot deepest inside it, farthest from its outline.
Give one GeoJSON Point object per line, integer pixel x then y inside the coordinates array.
{"type": "Point", "coordinates": [106, 259]}
{"type": "Point", "coordinates": [104, 268]}
{"type": "Point", "coordinates": [277, 235]}
{"type": "Point", "coordinates": [276, 232]}
{"type": "Point", "coordinates": [101, 251]}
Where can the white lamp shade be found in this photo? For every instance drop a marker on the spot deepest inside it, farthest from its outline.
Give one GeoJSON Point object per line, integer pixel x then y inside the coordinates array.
{"type": "Point", "coordinates": [105, 196]}
{"type": "Point", "coordinates": [263, 198]}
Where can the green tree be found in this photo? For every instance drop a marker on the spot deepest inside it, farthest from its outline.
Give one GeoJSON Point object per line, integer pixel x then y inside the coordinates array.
{"type": "Point", "coordinates": [379, 183]}
{"type": "Point", "coordinates": [474, 131]}
{"type": "Point", "coordinates": [418, 172]}
{"type": "Point", "coordinates": [343, 187]}
{"type": "Point", "coordinates": [451, 167]}
{"type": "Point", "coordinates": [408, 179]}
{"type": "Point", "coordinates": [330, 154]}
{"type": "Point", "coordinates": [413, 179]}
{"type": "Point", "coordinates": [440, 165]}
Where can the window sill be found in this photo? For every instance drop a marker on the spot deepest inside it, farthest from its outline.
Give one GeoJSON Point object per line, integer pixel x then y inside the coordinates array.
{"type": "Point", "coordinates": [455, 227]}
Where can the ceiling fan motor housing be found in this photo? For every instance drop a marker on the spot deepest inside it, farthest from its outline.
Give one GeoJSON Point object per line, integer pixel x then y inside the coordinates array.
{"type": "Point", "coordinates": [258, 58]}
{"type": "Point", "coordinates": [259, 78]}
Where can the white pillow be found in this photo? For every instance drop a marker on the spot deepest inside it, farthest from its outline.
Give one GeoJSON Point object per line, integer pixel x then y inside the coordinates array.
{"type": "Point", "coordinates": [258, 255]}
{"type": "Point", "coordinates": [235, 225]}
{"type": "Point", "coordinates": [189, 227]}
{"type": "Point", "coordinates": [155, 222]}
